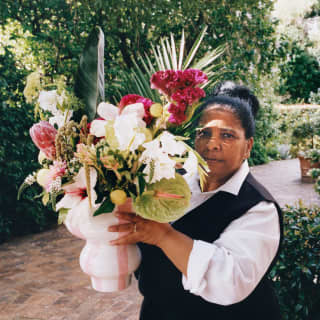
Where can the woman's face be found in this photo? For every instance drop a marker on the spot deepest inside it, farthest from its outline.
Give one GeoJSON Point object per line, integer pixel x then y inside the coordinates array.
{"type": "Point", "coordinates": [222, 143]}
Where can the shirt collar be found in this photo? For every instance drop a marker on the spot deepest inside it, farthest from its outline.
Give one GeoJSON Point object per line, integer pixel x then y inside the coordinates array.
{"type": "Point", "coordinates": [232, 186]}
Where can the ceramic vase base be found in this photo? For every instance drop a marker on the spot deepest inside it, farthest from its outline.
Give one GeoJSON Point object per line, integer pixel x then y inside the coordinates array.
{"type": "Point", "coordinates": [111, 285]}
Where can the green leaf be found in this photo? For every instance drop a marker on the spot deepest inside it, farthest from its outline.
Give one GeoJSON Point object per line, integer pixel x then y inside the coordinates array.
{"type": "Point", "coordinates": [21, 189]}
{"type": "Point", "coordinates": [89, 80]}
{"type": "Point", "coordinates": [106, 207]}
{"type": "Point", "coordinates": [142, 184]}
{"type": "Point", "coordinates": [63, 212]}
{"type": "Point", "coordinates": [316, 229]}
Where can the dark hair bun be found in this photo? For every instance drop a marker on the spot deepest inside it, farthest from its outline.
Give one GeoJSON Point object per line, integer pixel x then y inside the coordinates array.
{"type": "Point", "coordinates": [230, 89]}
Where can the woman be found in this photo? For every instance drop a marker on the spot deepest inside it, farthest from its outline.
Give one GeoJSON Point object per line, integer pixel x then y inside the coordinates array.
{"type": "Point", "coordinates": [213, 262]}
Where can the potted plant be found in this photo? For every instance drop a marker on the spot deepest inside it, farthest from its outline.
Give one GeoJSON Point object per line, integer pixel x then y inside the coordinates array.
{"type": "Point", "coordinates": [305, 144]}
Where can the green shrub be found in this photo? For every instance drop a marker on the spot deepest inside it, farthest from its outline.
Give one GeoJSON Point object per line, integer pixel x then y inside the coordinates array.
{"type": "Point", "coordinates": [299, 72]}
{"type": "Point", "coordinates": [297, 273]}
{"type": "Point", "coordinates": [17, 158]}
{"type": "Point", "coordinates": [315, 174]}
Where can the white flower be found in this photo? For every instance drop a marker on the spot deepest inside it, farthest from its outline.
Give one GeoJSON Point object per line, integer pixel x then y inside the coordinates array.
{"type": "Point", "coordinates": [126, 129]}
{"type": "Point", "coordinates": [161, 166]}
{"type": "Point", "coordinates": [31, 178]}
{"type": "Point", "coordinates": [48, 100]}
{"type": "Point", "coordinates": [157, 160]}
{"type": "Point", "coordinates": [76, 193]}
{"type": "Point", "coordinates": [98, 128]}
{"type": "Point", "coordinates": [128, 125]}
{"type": "Point", "coordinates": [151, 149]}
{"type": "Point", "coordinates": [190, 165]}
{"type": "Point", "coordinates": [60, 118]}
{"type": "Point", "coordinates": [170, 145]}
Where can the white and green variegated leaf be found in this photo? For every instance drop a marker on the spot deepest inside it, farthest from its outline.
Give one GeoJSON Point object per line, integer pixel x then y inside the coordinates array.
{"type": "Point", "coordinates": [89, 80]}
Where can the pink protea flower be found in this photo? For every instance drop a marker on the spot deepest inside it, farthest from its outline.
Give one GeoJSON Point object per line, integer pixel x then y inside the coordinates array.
{"type": "Point", "coordinates": [135, 98]}
{"type": "Point", "coordinates": [43, 136]}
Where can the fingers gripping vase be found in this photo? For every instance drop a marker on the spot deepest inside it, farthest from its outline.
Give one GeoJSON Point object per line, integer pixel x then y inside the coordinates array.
{"type": "Point", "coordinates": [110, 267]}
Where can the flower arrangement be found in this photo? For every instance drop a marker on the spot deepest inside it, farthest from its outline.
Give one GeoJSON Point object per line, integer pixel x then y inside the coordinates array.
{"type": "Point", "coordinates": [97, 157]}
{"type": "Point", "coordinates": [128, 151]}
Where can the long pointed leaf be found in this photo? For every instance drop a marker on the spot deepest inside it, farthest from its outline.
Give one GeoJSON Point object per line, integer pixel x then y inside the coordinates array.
{"type": "Point", "coordinates": [181, 51]}
{"type": "Point", "coordinates": [161, 58]}
{"type": "Point", "coordinates": [155, 53]}
{"type": "Point", "coordinates": [195, 48]}
{"type": "Point", "coordinates": [145, 83]}
{"type": "Point", "coordinates": [173, 53]}
{"type": "Point", "coordinates": [89, 80]}
{"type": "Point", "coordinates": [165, 55]}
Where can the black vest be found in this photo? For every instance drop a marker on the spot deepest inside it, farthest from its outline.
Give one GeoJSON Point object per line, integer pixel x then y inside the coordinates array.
{"type": "Point", "coordinates": [160, 282]}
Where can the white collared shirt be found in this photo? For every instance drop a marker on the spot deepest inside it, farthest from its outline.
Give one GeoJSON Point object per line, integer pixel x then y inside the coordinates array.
{"type": "Point", "coordinates": [227, 270]}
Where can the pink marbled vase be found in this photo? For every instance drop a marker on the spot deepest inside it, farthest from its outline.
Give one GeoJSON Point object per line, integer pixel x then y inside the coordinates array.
{"type": "Point", "coordinates": [110, 267]}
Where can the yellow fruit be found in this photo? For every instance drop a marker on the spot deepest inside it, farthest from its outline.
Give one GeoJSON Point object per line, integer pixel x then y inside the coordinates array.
{"type": "Point", "coordinates": [118, 197]}
{"type": "Point", "coordinates": [156, 110]}
{"type": "Point", "coordinates": [42, 177]}
{"type": "Point", "coordinates": [41, 157]}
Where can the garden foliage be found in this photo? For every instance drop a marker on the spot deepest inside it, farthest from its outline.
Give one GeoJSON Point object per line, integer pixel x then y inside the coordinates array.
{"type": "Point", "coordinates": [297, 274]}
{"type": "Point", "coordinates": [299, 71]}
{"type": "Point", "coordinates": [17, 154]}
{"type": "Point", "coordinates": [50, 35]}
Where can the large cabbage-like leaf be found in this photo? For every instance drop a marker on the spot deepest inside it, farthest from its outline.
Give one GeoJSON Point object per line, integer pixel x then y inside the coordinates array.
{"type": "Point", "coordinates": [89, 80]}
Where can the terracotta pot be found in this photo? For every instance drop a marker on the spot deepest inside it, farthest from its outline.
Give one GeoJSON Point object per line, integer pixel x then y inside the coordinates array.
{"type": "Point", "coordinates": [305, 166]}
{"type": "Point", "coordinates": [110, 267]}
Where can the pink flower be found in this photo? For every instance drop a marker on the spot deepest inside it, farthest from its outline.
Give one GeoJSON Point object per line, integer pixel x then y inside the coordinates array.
{"type": "Point", "coordinates": [177, 111]}
{"type": "Point", "coordinates": [169, 81]}
{"type": "Point", "coordinates": [188, 95]}
{"type": "Point", "coordinates": [58, 169]}
{"type": "Point", "coordinates": [181, 88]}
{"type": "Point", "coordinates": [194, 77]}
{"type": "Point", "coordinates": [43, 136]}
{"type": "Point", "coordinates": [177, 118]}
{"type": "Point", "coordinates": [135, 98]}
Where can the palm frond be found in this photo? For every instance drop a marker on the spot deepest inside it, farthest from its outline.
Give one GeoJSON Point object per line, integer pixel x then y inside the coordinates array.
{"type": "Point", "coordinates": [194, 48]}
{"type": "Point", "coordinates": [181, 52]}
{"type": "Point", "coordinates": [173, 53]}
{"type": "Point", "coordinates": [165, 56]}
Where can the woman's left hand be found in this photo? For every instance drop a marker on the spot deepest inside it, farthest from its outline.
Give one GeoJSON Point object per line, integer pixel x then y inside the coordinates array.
{"type": "Point", "coordinates": [138, 229]}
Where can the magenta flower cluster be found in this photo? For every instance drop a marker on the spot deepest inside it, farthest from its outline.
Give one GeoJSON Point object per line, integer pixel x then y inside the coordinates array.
{"type": "Point", "coordinates": [181, 87]}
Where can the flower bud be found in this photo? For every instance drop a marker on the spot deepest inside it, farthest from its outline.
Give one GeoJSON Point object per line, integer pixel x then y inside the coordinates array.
{"type": "Point", "coordinates": [156, 110]}
{"type": "Point", "coordinates": [41, 157]}
{"type": "Point", "coordinates": [118, 197]}
{"type": "Point", "coordinates": [43, 136]}
{"type": "Point", "coordinates": [43, 177]}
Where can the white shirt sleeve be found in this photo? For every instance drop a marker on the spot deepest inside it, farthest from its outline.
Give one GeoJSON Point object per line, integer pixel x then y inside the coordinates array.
{"type": "Point", "coordinates": [227, 270]}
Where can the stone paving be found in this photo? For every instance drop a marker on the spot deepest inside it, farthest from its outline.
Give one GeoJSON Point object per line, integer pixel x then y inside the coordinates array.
{"type": "Point", "coordinates": [40, 277]}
